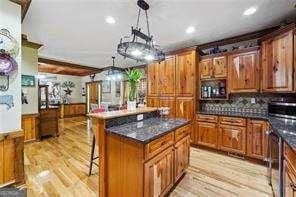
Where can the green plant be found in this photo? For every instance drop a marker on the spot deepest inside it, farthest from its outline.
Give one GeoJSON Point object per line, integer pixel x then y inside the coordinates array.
{"type": "Point", "coordinates": [133, 76]}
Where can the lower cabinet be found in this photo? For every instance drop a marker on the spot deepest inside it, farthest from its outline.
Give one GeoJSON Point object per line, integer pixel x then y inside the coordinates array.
{"type": "Point", "coordinates": [185, 107]}
{"type": "Point", "coordinates": [168, 102]}
{"type": "Point", "coordinates": [232, 139]}
{"type": "Point", "coordinates": [159, 174]}
{"type": "Point", "coordinates": [207, 134]}
{"type": "Point", "coordinates": [289, 171]}
{"type": "Point", "coordinates": [181, 157]}
{"type": "Point", "coordinates": [257, 139]}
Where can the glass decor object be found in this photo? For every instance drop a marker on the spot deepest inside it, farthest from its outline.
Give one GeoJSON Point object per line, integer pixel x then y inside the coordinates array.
{"type": "Point", "coordinates": [140, 46]}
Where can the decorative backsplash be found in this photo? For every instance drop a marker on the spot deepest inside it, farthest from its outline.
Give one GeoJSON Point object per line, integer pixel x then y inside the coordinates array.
{"type": "Point", "coordinates": [243, 102]}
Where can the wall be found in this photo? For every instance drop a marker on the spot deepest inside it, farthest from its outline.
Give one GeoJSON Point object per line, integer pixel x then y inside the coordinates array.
{"type": "Point", "coordinates": [10, 17]}
{"type": "Point", "coordinates": [76, 95]}
{"type": "Point", "coordinates": [30, 67]}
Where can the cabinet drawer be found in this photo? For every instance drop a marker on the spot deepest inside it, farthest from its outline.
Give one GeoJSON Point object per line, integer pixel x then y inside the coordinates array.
{"type": "Point", "coordinates": [233, 121]}
{"type": "Point", "coordinates": [158, 145]}
{"type": "Point", "coordinates": [207, 118]}
{"type": "Point", "coordinates": [182, 132]}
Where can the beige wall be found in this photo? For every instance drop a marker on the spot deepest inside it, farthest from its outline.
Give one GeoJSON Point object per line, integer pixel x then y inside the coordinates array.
{"type": "Point", "coordinates": [30, 67]}
{"type": "Point", "coordinates": [10, 18]}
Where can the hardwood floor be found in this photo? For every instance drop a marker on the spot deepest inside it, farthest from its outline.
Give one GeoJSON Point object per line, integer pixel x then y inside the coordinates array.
{"type": "Point", "coordinates": [59, 167]}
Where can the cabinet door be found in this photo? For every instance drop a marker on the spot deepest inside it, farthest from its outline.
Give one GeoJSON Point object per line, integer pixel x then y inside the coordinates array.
{"type": "Point", "coordinates": [159, 174]}
{"type": "Point", "coordinates": [244, 72]}
{"type": "Point", "coordinates": [289, 181]}
{"type": "Point", "coordinates": [181, 157]}
{"type": "Point", "coordinates": [207, 134]}
{"type": "Point", "coordinates": [153, 102]}
{"type": "Point", "coordinates": [232, 139]}
{"type": "Point", "coordinates": [257, 139]}
{"type": "Point", "coordinates": [185, 108]}
{"type": "Point", "coordinates": [220, 67]}
{"type": "Point", "coordinates": [169, 102]}
{"type": "Point", "coordinates": [166, 77]}
{"type": "Point", "coordinates": [153, 79]}
{"type": "Point", "coordinates": [206, 68]}
{"type": "Point", "coordinates": [185, 74]}
{"type": "Point", "coordinates": [277, 64]}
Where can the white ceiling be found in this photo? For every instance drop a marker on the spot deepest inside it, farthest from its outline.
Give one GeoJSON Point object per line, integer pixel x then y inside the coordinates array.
{"type": "Point", "coordinates": [76, 31]}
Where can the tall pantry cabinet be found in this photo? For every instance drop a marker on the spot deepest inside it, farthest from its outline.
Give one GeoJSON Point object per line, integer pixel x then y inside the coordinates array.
{"type": "Point", "coordinates": [172, 83]}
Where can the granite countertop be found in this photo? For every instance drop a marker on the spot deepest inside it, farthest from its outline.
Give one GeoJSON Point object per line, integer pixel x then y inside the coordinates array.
{"type": "Point", "coordinates": [147, 130]}
{"type": "Point", "coordinates": [235, 114]}
{"type": "Point", "coordinates": [285, 128]}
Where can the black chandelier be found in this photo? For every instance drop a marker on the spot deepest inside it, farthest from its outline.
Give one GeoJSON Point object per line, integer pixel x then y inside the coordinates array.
{"type": "Point", "coordinates": [113, 73]}
{"type": "Point", "coordinates": [141, 47]}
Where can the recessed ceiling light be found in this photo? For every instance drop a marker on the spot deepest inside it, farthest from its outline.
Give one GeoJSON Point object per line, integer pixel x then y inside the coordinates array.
{"type": "Point", "coordinates": [110, 20]}
{"type": "Point", "coordinates": [250, 11]}
{"type": "Point", "coordinates": [190, 29]}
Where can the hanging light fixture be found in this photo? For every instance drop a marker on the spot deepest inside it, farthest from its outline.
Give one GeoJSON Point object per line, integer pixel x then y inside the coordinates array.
{"type": "Point", "coordinates": [113, 73]}
{"type": "Point", "coordinates": [141, 46]}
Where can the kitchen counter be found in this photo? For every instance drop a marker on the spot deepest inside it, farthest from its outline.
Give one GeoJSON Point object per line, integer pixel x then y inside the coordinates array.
{"type": "Point", "coordinates": [285, 128]}
{"type": "Point", "coordinates": [147, 130]}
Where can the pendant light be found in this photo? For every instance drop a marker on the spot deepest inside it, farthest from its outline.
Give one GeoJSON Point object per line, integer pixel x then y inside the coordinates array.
{"type": "Point", "coordinates": [141, 46]}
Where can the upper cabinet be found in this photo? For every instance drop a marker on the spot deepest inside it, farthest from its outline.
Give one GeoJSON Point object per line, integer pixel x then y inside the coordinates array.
{"type": "Point", "coordinates": [277, 63]}
{"type": "Point", "coordinates": [206, 68]}
{"type": "Point", "coordinates": [219, 67]}
{"type": "Point", "coordinates": [185, 74]}
{"type": "Point", "coordinates": [166, 78]}
{"type": "Point", "coordinates": [243, 72]}
{"type": "Point", "coordinates": [153, 79]}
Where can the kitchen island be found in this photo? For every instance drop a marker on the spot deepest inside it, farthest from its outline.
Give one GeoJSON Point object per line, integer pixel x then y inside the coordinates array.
{"type": "Point", "coordinates": [140, 158]}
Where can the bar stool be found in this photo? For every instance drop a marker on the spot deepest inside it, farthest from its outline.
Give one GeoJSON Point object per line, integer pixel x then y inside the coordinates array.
{"type": "Point", "coordinates": [92, 158]}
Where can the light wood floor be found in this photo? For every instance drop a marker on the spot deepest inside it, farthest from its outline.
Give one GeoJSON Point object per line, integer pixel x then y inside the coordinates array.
{"type": "Point", "coordinates": [59, 167]}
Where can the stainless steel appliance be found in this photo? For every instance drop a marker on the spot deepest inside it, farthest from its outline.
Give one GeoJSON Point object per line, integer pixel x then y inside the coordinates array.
{"type": "Point", "coordinates": [287, 111]}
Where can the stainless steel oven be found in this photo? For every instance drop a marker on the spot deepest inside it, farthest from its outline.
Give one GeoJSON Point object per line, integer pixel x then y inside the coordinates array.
{"type": "Point", "coordinates": [287, 111]}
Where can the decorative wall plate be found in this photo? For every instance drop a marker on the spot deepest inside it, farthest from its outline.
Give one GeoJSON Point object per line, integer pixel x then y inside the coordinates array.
{"type": "Point", "coordinates": [8, 44]}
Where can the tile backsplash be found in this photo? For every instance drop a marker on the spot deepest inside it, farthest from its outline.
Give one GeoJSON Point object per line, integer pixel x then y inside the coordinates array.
{"type": "Point", "coordinates": [246, 102]}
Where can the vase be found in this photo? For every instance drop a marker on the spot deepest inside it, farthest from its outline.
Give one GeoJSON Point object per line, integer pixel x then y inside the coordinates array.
{"type": "Point", "coordinates": [131, 105]}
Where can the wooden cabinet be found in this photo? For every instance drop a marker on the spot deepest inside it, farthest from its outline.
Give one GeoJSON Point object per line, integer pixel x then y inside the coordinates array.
{"type": "Point", "coordinates": [289, 171]}
{"type": "Point", "coordinates": [277, 63]}
{"type": "Point", "coordinates": [159, 174]}
{"type": "Point", "coordinates": [185, 108]}
{"type": "Point", "coordinates": [185, 74]}
{"type": "Point", "coordinates": [232, 139]}
{"type": "Point", "coordinates": [244, 72]}
{"type": "Point", "coordinates": [206, 68]}
{"type": "Point", "coordinates": [73, 109]}
{"type": "Point", "coordinates": [153, 102]}
{"type": "Point", "coordinates": [257, 139]}
{"type": "Point", "coordinates": [168, 102]}
{"type": "Point", "coordinates": [220, 67]}
{"type": "Point", "coordinates": [30, 126]}
{"type": "Point", "coordinates": [153, 79]}
{"type": "Point", "coordinates": [12, 158]}
{"type": "Point", "coordinates": [166, 77]}
{"type": "Point", "coordinates": [207, 134]}
{"type": "Point", "coordinates": [181, 157]}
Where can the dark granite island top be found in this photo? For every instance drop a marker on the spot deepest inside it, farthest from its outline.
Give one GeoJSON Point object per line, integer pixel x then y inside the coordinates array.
{"type": "Point", "coordinates": [147, 130]}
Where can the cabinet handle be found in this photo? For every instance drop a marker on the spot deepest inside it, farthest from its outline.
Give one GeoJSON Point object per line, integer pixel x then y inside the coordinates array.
{"type": "Point", "coordinates": [293, 186]}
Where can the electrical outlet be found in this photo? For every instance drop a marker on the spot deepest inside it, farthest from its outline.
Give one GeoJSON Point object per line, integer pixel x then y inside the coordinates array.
{"type": "Point", "coordinates": [140, 117]}
{"type": "Point", "coordinates": [253, 100]}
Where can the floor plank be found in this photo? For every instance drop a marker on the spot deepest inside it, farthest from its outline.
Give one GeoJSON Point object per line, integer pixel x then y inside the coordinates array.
{"type": "Point", "coordinates": [59, 167]}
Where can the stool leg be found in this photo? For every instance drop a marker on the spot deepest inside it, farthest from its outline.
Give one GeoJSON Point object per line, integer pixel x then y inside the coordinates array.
{"type": "Point", "coordinates": [92, 155]}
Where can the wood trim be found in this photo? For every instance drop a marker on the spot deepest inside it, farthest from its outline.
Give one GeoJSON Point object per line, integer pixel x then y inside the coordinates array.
{"type": "Point", "coordinates": [61, 63]}
{"type": "Point", "coordinates": [30, 44]}
{"type": "Point", "coordinates": [279, 31]}
{"type": "Point", "coordinates": [239, 38]}
{"type": "Point", "coordinates": [25, 4]}
{"type": "Point", "coordinates": [30, 115]}
{"type": "Point", "coordinates": [11, 134]}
